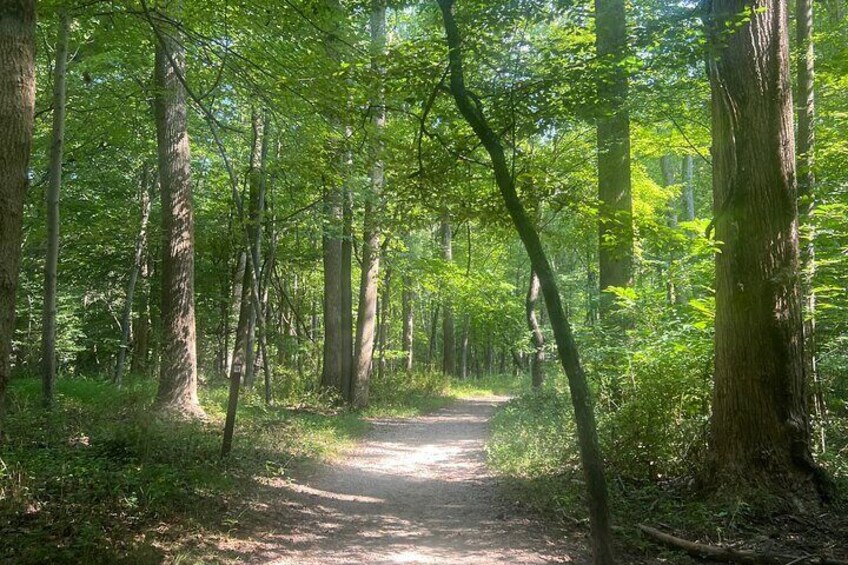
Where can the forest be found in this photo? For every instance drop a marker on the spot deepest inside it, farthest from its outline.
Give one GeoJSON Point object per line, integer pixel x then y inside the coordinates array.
{"type": "Point", "coordinates": [424, 281]}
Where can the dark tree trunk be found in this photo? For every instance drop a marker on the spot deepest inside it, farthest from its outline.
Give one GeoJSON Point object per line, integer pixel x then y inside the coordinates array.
{"type": "Point", "coordinates": [138, 259]}
{"type": "Point", "coordinates": [178, 369]}
{"type": "Point", "coordinates": [408, 321]}
{"type": "Point", "coordinates": [17, 105]}
{"type": "Point", "coordinates": [615, 250]}
{"type": "Point", "coordinates": [759, 425]}
{"type": "Point", "coordinates": [448, 334]}
{"type": "Point", "coordinates": [587, 434]}
{"type": "Point", "coordinates": [51, 264]}
{"type": "Point", "coordinates": [234, 309]}
{"type": "Point", "coordinates": [667, 166]}
{"type": "Point", "coordinates": [536, 336]}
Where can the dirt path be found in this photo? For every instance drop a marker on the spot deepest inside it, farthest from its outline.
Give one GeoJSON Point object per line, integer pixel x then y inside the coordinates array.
{"type": "Point", "coordinates": [415, 491]}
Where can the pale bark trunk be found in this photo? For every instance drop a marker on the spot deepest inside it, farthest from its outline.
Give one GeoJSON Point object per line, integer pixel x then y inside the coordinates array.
{"type": "Point", "coordinates": [448, 337]}
{"type": "Point", "coordinates": [536, 336]}
{"type": "Point", "coordinates": [759, 424]}
{"type": "Point", "coordinates": [178, 369]}
{"type": "Point", "coordinates": [366, 315]}
{"type": "Point", "coordinates": [587, 434]}
{"type": "Point", "coordinates": [688, 196]}
{"type": "Point", "coordinates": [434, 328]}
{"type": "Point", "coordinates": [51, 264]}
{"type": "Point", "coordinates": [138, 259]}
{"type": "Point", "coordinates": [347, 295]}
{"type": "Point", "coordinates": [806, 193]}
{"type": "Point", "coordinates": [17, 104]}
{"type": "Point", "coordinates": [615, 250]}
{"type": "Point", "coordinates": [408, 322]}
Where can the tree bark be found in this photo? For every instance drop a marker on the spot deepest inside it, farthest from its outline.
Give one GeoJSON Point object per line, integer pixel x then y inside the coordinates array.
{"type": "Point", "coordinates": [688, 195]}
{"type": "Point", "coordinates": [366, 315]}
{"type": "Point", "coordinates": [408, 298]}
{"type": "Point", "coordinates": [759, 424]}
{"type": "Point", "coordinates": [254, 231]}
{"type": "Point", "coordinates": [536, 336]}
{"type": "Point", "coordinates": [51, 264]}
{"type": "Point", "coordinates": [347, 293]}
{"type": "Point", "coordinates": [590, 453]}
{"type": "Point", "coordinates": [142, 323]}
{"type": "Point", "coordinates": [17, 106]}
{"type": "Point", "coordinates": [177, 392]}
{"type": "Point", "coordinates": [138, 259]}
{"type": "Point", "coordinates": [434, 328]}
{"type": "Point", "coordinates": [615, 251]}
{"type": "Point", "coordinates": [448, 334]}
{"type": "Point", "coordinates": [806, 193]}
{"type": "Point", "coordinates": [236, 300]}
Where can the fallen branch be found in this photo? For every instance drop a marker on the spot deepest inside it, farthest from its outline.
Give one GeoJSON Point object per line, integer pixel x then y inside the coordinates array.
{"type": "Point", "coordinates": [731, 555]}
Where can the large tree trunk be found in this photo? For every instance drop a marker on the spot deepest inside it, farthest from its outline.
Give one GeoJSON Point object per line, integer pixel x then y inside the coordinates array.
{"type": "Point", "coordinates": [51, 263]}
{"type": "Point", "coordinates": [138, 259]}
{"type": "Point", "coordinates": [366, 315]}
{"type": "Point", "coordinates": [806, 193]}
{"type": "Point", "coordinates": [178, 369]}
{"type": "Point", "coordinates": [759, 425]}
{"type": "Point", "coordinates": [17, 105]}
{"type": "Point", "coordinates": [408, 321]}
{"type": "Point", "coordinates": [587, 434]}
{"type": "Point", "coordinates": [615, 250]}
{"type": "Point", "coordinates": [331, 376]}
{"type": "Point", "coordinates": [536, 336]}
{"type": "Point", "coordinates": [448, 334]}
{"type": "Point", "coordinates": [434, 328]}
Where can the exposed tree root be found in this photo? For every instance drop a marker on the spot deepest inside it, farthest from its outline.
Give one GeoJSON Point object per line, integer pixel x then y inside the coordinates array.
{"type": "Point", "coordinates": [731, 555]}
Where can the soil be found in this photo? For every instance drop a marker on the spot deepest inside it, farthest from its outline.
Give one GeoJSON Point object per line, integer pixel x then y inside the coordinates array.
{"type": "Point", "coordinates": [414, 491]}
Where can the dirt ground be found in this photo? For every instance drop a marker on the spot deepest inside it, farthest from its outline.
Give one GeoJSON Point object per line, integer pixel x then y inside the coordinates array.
{"type": "Point", "coordinates": [414, 491]}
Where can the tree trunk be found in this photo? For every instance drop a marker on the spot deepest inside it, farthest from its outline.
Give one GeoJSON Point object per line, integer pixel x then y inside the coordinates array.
{"type": "Point", "coordinates": [17, 106]}
{"type": "Point", "coordinates": [587, 434]}
{"type": "Point", "coordinates": [408, 322]}
{"type": "Point", "coordinates": [51, 264]}
{"type": "Point", "coordinates": [236, 300]}
{"type": "Point", "coordinates": [434, 328]}
{"type": "Point", "coordinates": [759, 425]}
{"type": "Point", "coordinates": [138, 259]}
{"type": "Point", "coordinates": [331, 376]}
{"type": "Point", "coordinates": [254, 231]}
{"type": "Point", "coordinates": [178, 369]}
{"type": "Point", "coordinates": [347, 294]}
{"type": "Point", "coordinates": [448, 337]}
{"type": "Point", "coordinates": [615, 250]}
{"type": "Point", "coordinates": [141, 323]}
{"type": "Point", "coordinates": [805, 152]}
{"type": "Point", "coordinates": [536, 336]}
{"type": "Point", "coordinates": [366, 315]}
{"type": "Point", "coordinates": [667, 166]}
{"type": "Point", "coordinates": [688, 195]}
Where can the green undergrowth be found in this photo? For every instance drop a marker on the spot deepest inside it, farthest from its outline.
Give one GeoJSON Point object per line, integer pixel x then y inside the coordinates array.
{"type": "Point", "coordinates": [653, 479]}
{"type": "Point", "coordinates": [100, 479]}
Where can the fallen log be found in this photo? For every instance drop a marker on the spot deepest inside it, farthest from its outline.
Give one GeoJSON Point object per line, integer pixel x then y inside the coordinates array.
{"type": "Point", "coordinates": [730, 555]}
